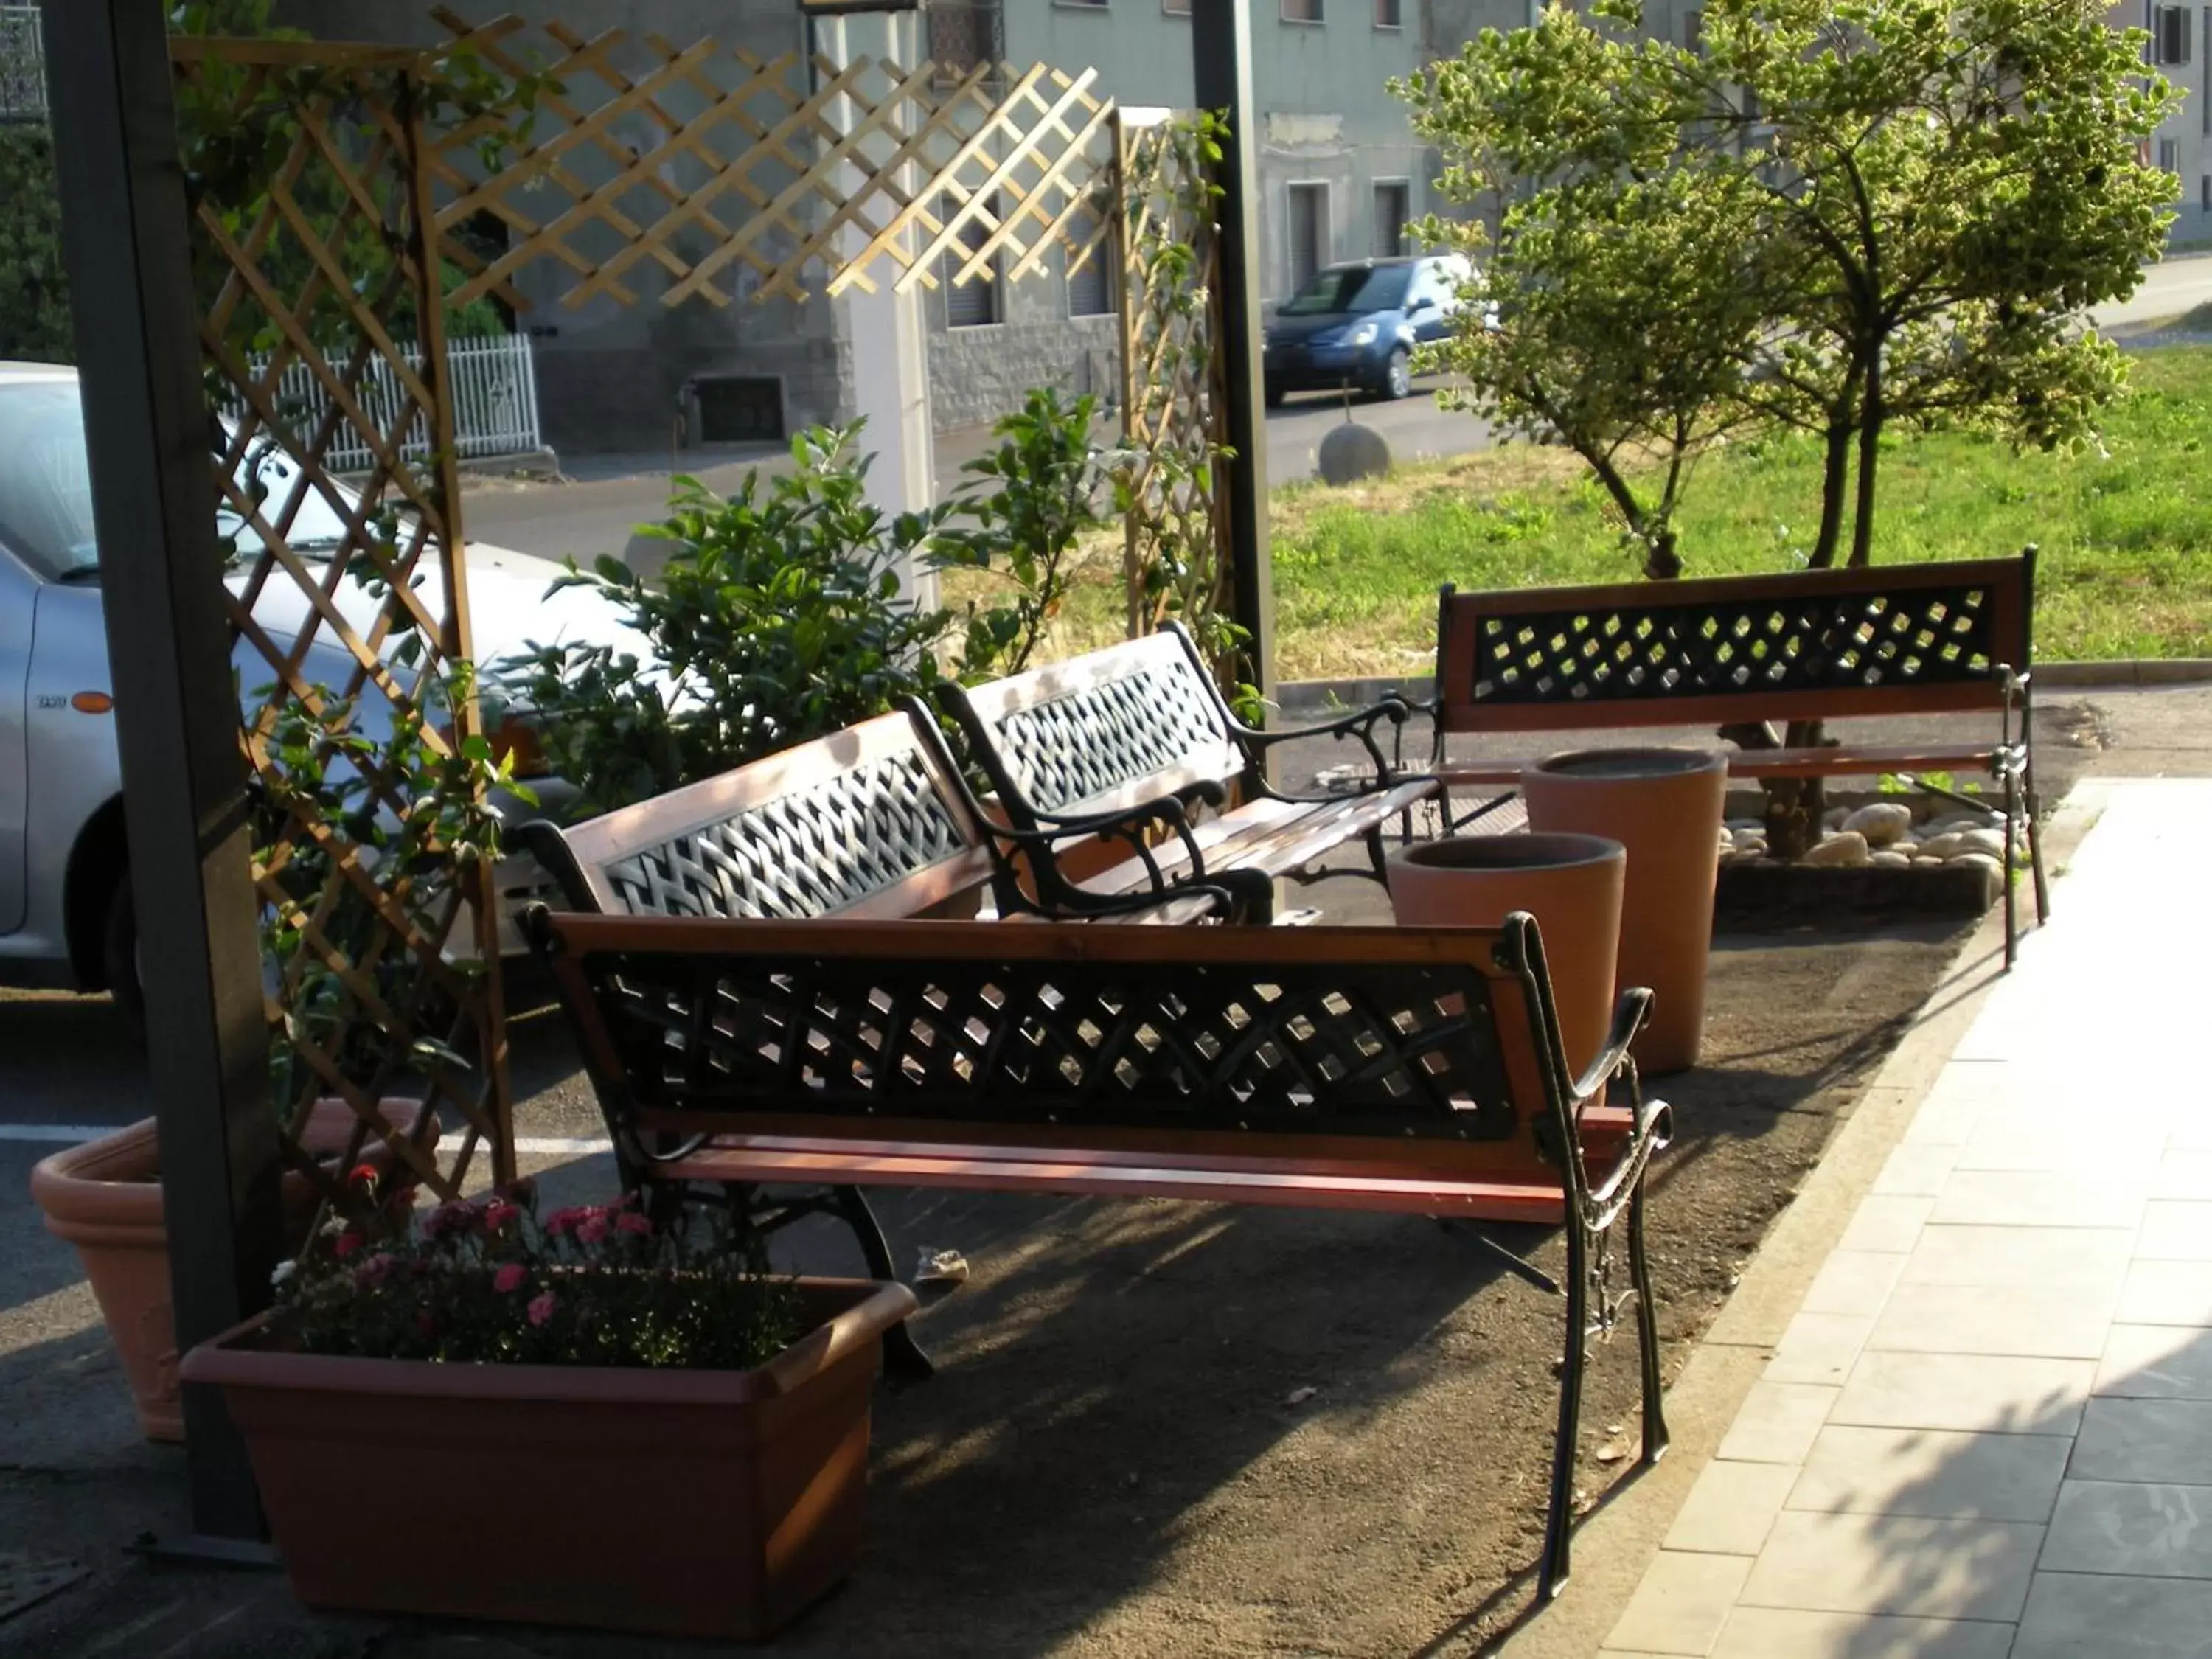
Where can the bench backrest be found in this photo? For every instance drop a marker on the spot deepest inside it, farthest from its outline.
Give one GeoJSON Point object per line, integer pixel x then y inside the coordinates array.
{"type": "Point", "coordinates": [1344, 1044]}
{"type": "Point", "coordinates": [1115, 729]}
{"type": "Point", "coordinates": [872, 820]}
{"type": "Point", "coordinates": [1896, 640]}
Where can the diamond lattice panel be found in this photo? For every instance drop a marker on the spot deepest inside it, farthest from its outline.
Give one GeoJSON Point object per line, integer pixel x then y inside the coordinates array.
{"type": "Point", "coordinates": [1916, 636]}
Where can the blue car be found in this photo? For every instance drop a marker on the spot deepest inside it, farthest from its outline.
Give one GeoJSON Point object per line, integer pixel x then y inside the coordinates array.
{"type": "Point", "coordinates": [1357, 324]}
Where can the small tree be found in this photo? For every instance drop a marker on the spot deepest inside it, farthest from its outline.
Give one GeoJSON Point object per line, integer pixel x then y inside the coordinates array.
{"type": "Point", "coordinates": [1828, 217]}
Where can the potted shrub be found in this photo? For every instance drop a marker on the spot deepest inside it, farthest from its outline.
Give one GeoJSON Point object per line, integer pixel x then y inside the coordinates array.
{"type": "Point", "coordinates": [413, 805]}
{"type": "Point", "coordinates": [673, 1440]}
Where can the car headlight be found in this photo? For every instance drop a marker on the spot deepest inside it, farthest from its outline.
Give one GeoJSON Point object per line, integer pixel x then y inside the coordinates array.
{"type": "Point", "coordinates": [1364, 334]}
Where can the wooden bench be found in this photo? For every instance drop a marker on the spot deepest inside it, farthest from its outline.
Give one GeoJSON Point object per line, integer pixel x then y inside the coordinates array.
{"type": "Point", "coordinates": [1141, 724]}
{"type": "Point", "coordinates": [871, 822]}
{"type": "Point", "coordinates": [1912, 639]}
{"type": "Point", "coordinates": [1412, 1070]}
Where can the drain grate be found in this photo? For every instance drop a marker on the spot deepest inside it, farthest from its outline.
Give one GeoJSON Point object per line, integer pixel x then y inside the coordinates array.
{"type": "Point", "coordinates": [28, 1580]}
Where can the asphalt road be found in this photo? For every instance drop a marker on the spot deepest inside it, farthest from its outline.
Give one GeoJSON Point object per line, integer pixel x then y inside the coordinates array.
{"type": "Point", "coordinates": [608, 496]}
{"type": "Point", "coordinates": [2167, 290]}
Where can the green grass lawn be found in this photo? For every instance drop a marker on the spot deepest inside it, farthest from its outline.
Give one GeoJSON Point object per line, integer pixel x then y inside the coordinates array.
{"type": "Point", "coordinates": [2126, 535]}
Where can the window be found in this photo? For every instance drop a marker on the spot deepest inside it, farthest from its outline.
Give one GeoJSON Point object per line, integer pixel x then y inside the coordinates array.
{"type": "Point", "coordinates": [2205, 193]}
{"type": "Point", "coordinates": [1351, 291]}
{"type": "Point", "coordinates": [975, 303]}
{"type": "Point", "coordinates": [46, 487]}
{"type": "Point", "coordinates": [963, 35]}
{"type": "Point", "coordinates": [1309, 242]}
{"type": "Point", "coordinates": [2169, 155]}
{"type": "Point", "coordinates": [1388, 14]}
{"type": "Point", "coordinates": [2172, 35]}
{"type": "Point", "coordinates": [1393, 207]}
{"type": "Point", "coordinates": [2205, 98]}
{"type": "Point", "coordinates": [1693, 31]}
{"type": "Point", "coordinates": [1087, 5]}
{"type": "Point", "coordinates": [1302, 11]}
{"type": "Point", "coordinates": [1091, 285]}
{"type": "Point", "coordinates": [1176, 7]}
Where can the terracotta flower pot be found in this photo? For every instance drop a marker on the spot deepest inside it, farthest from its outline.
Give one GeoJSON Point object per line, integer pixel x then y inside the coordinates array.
{"type": "Point", "coordinates": [105, 1198]}
{"type": "Point", "coordinates": [708, 1504]}
{"type": "Point", "coordinates": [1665, 806]}
{"type": "Point", "coordinates": [1570, 884]}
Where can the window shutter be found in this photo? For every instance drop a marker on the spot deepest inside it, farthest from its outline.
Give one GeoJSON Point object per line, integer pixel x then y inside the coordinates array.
{"type": "Point", "coordinates": [1307, 213]}
{"type": "Point", "coordinates": [975, 302]}
{"type": "Point", "coordinates": [1391, 212]}
{"type": "Point", "coordinates": [1090, 289]}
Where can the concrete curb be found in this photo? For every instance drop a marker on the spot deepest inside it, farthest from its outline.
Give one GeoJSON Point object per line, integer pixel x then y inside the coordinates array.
{"type": "Point", "coordinates": [1617, 1545]}
{"type": "Point", "coordinates": [1316, 696]}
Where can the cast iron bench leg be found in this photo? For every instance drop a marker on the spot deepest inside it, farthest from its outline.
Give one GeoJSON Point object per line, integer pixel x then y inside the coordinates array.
{"type": "Point", "coordinates": [1647, 1334]}
{"type": "Point", "coordinates": [1559, 1522]}
{"type": "Point", "coordinates": [902, 1356]}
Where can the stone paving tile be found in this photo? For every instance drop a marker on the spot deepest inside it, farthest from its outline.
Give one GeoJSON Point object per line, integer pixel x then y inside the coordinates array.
{"type": "Point", "coordinates": [1788, 1633]}
{"type": "Point", "coordinates": [2167, 1293]}
{"type": "Point", "coordinates": [2005, 1198]}
{"type": "Point", "coordinates": [1731, 1508]}
{"type": "Point", "coordinates": [1818, 1348]}
{"type": "Point", "coordinates": [1986, 1393]}
{"type": "Point", "coordinates": [2175, 1231]}
{"type": "Point", "coordinates": [1890, 1564]}
{"type": "Point", "coordinates": [2091, 1616]}
{"type": "Point", "coordinates": [1777, 1423]}
{"type": "Point", "coordinates": [2010, 1319]}
{"type": "Point", "coordinates": [2145, 1440]}
{"type": "Point", "coordinates": [1682, 1604]}
{"type": "Point", "coordinates": [2157, 1362]}
{"type": "Point", "coordinates": [1939, 1475]}
{"type": "Point", "coordinates": [2138, 1527]}
{"type": "Point", "coordinates": [2052, 1141]}
{"type": "Point", "coordinates": [2053, 1256]}
{"type": "Point", "coordinates": [2184, 1174]}
{"type": "Point", "coordinates": [1854, 1282]}
{"type": "Point", "coordinates": [1887, 1224]}
{"type": "Point", "coordinates": [1916, 1171]}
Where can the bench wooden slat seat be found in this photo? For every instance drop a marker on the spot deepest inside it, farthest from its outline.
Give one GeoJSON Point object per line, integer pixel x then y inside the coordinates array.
{"type": "Point", "coordinates": [1141, 724]}
{"type": "Point", "coordinates": [1404, 1071]}
{"type": "Point", "coordinates": [1950, 638]}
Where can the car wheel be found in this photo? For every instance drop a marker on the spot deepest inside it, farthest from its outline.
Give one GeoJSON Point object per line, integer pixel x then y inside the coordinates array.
{"type": "Point", "coordinates": [119, 955]}
{"type": "Point", "coordinates": [1398, 376]}
{"type": "Point", "coordinates": [1274, 394]}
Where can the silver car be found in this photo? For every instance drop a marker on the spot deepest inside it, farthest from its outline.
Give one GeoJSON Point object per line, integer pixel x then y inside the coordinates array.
{"type": "Point", "coordinates": [66, 915]}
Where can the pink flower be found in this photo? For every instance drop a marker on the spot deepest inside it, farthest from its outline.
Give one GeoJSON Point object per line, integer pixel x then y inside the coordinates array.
{"type": "Point", "coordinates": [560, 1221]}
{"type": "Point", "coordinates": [509, 1278]}
{"type": "Point", "coordinates": [498, 1214]}
{"type": "Point", "coordinates": [541, 1308]}
{"type": "Point", "coordinates": [634, 1224]}
{"type": "Point", "coordinates": [592, 1229]}
{"type": "Point", "coordinates": [348, 1241]}
{"type": "Point", "coordinates": [454, 1215]}
{"type": "Point", "coordinates": [363, 1174]}
{"type": "Point", "coordinates": [374, 1272]}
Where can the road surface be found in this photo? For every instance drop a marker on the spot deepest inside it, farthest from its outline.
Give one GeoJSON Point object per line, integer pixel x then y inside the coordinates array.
{"type": "Point", "coordinates": [609, 496]}
{"type": "Point", "coordinates": [2167, 291]}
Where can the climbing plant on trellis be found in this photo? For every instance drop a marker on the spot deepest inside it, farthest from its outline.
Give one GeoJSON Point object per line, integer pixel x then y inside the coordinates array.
{"type": "Point", "coordinates": [1175, 551]}
{"type": "Point", "coordinates": [312, 246]}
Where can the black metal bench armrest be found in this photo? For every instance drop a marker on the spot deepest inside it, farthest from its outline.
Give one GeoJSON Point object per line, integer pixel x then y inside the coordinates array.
{"type": "Point", "coordinates": [1632, 1008]}
{"type": "Point", "coordinates": [1360, 723]}
{"type": "Point", "coordinates": [1650, 1132]}
{"type": "Point", "coordinates": [1241, 895]}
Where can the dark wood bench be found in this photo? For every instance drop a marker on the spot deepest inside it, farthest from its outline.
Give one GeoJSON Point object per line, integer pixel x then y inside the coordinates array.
{"type": "Point", "coordinates": [872, 822]}
{"type": "Point", "coordinates": [1142, 724]}
{"type": "Point", "coordinates": [1914, 638]}
{"type": "Point", "coordinates": [1414, 1071]}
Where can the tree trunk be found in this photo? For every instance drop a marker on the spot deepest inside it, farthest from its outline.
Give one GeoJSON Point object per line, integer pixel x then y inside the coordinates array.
{"type": "Point", "coordinates": [1835, 482]}
{"type": "Point", "coordinates": [1871, 415]}
{"type": "Point", "coordinates": [1794, 806]}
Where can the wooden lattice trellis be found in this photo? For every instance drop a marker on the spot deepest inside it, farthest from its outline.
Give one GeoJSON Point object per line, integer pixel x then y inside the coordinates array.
{"type": "Point", "coordinates": [313, 262]}
{"type": "Point", "coordinates": [802, 172]}
{"type": "Point", "coordinates": [1173, 389]}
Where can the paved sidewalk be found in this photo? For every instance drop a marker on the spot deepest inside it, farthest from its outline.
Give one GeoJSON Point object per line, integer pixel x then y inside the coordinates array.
{"type": "Point", "coordinates": [1988, 1431]}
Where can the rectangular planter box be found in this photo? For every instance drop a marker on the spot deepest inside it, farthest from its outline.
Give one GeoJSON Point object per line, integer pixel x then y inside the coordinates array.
{"type": "Point", "coordinates": [714, 1504]}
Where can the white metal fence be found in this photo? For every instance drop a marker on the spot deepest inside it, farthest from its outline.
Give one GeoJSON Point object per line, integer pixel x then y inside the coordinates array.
{"type": "Point", "coordinates": [22, 65]}
{"type": "Point", "coordinates": [494, 390]}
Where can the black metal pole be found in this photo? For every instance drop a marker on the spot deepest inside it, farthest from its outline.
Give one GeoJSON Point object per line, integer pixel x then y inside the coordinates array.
{"type": "Point", "coordinates": [1221, 62]}
{"type": "Point", "coordinates": [123, 234]}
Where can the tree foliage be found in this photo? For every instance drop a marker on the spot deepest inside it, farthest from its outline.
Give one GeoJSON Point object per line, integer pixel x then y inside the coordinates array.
{"type": "Point", "coordinates": [35, 303]}
{"type": "Point", "coordinates": [1829, 215]}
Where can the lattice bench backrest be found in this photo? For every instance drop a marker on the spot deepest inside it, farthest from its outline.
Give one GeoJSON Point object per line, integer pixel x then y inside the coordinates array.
{"type": "Point", "coordinates": [1058, 1035]}
{"type": "Point", "coordinates": [868, 822]}
{"type": "Point", "coordinates": [1901, 639]}
{"type": "Point", "coordinates": [1101, 733]}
